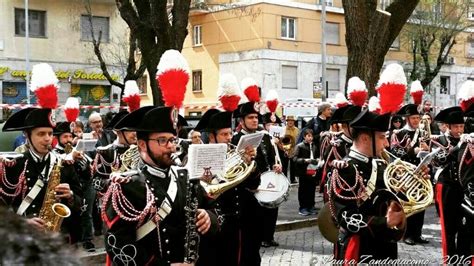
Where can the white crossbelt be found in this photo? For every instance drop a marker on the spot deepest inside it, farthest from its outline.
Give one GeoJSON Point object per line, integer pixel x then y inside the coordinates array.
{"type": "Point", "coordinates": [31, 196]}
{"type": "Point", "coordinates": [162, 212]}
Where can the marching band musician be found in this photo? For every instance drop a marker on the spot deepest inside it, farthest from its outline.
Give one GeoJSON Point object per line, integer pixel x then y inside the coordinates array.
{"type": "Point", "coordinates": [370, 220]}
{"type": "Point", "coordinates": [340, 144]}
{"type": "Point", "coordinates": [449, 192]}
{"type": "Point", "coordinates": [270, 215]}
{"type": "Point", "coordinates": [292, 132]}
{"type": "Point", "coordinates": [24, 181]}
{"type": "Point", "coordinates": [146, 218]}
{"type": "Point", "coordinates": [107, 159]}
{"type": "Point", "coordinates": [229, 204]}
{"type": "Point", "coordinates": [466, 169]}
{"type": "Point", "coordinates": [466, 163]}
{"type": "Point", "coordinates": [83, 220]}
{"type": "Point", "coordinates": [406, 144]}
{"type": "Point", "coordinates": [265, 159]}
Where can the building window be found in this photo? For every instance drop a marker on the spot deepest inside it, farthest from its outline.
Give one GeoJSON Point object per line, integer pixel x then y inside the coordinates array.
{"type": "Point", "coordinates": [395, 44]}
{"type": "Point", "coordinates": [288, 28]}
{"type": "Point", "coordinates": [385, 3]}
{"type": "Point", "coordinates": [332, 33]}
{"type": "Point", "coordinates": [100, 26]}
{"type": "Point", "coordinates": [197, 81]}
{"type": "Point", "coordinates": [197, 35]}
{"type": "Point", "coordinates": [444, 85]}
{"type": "Point", "coordinates": [289, 78]}
{"type": "Point", "coordinates": [328, 2]}
{"type": "Point", "coordinates": [36, 19]}
{"type": "Point", "coordinates": [332, 81]}
{"type": "Point", "coordinates": [470, 48]}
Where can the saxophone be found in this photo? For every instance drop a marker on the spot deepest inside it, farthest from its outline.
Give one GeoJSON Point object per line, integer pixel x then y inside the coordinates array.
{"type": "Point", "coordinates": [53, 212]}
{"type": "Point", "coordinates": [191, 240]}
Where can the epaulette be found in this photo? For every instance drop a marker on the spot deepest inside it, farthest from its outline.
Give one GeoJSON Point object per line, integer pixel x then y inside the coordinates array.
{"type": "Point", "coordinates": [103, 148]}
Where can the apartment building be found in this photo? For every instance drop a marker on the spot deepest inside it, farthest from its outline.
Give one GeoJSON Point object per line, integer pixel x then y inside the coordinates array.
{"type": "Point", "coordinates": [60, 35]}
{"type": "Point", "coordinates": [278, 43]}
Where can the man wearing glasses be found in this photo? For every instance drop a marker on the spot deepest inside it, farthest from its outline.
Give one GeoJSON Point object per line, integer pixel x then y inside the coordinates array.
{"type": "Point", "coordinates": [146, 218]}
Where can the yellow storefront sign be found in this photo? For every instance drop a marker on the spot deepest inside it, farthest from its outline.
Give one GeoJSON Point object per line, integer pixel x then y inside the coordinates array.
{"type": "Point", "coordinates": [77, 74]}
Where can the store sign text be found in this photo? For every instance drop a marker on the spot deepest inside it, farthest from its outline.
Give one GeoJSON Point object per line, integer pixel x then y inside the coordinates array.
{"type": "Point", "coordinates": [77, 74]}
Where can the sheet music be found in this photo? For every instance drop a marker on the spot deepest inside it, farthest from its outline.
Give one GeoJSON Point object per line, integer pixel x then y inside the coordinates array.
{"type": "Point", "coordinates": [210, 157]}
{"type": "Point", "coordinates": [86, 145]}
{"type": "Point", "coordinates": [252, 140]}
{"type": "Point", "coordinates": [427, 158]}
{"type": "Point", "coordinates": [277, 132]}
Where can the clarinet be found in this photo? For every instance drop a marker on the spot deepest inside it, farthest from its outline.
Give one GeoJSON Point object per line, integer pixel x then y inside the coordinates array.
{"type": "Point", "coordinates": [191, 241]}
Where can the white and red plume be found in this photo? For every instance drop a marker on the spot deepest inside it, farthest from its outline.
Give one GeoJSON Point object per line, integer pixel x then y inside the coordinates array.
{"type": "Point", "coordinates": [357, 91]}
{"type": "Point", "coordinates": [229, 92]}
{"type": "Point", "coordinates": [374, 105]}
{"type": "Point", "coordinates": [340, 100]}
{"type": "Point", "coordinates": [416, 92]}
{"type": "Point", "coordinates": [391, 88]}
{"type": "Point", "coordinates": [71, 109]}
{"type": "Point", "coordinates": [172, 77]}
{"type": "Point", "coordinates": [44, 84]}
{"type": "Point", "coordinates": [272, 100]}
{"type": "Point", "coordinates": [250, 89]}
{"type": "Point", "coordinates": [466, 95]}
{"type": "Point", "coordinates": [131, 95]}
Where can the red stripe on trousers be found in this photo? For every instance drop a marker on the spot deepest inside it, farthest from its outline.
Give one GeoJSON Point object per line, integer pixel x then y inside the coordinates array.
{"type": "Point", "coordinates": [352, 251]}
{"type": "Point", "coordinates": [439, 200]}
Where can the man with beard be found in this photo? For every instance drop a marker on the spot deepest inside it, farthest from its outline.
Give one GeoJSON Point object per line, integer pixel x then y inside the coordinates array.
{"type": "Point", "coordinates": [148, 219]}
{"type": "Point", "coordinates": [406, 144]}
{"type": "Point", "coordinates": [250, 215]}
{"type": "Point", "coordinates": [24, 182]}
{"type": "Point", "coordinates": [82, 220]}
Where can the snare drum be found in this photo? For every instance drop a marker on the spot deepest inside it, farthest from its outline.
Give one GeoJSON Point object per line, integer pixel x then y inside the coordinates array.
{"type": "Point", "coordinates": [274, 189]}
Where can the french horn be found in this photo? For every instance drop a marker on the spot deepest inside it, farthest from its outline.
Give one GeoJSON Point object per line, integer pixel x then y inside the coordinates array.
{"type": "Point", "coordinates": [236, 171]}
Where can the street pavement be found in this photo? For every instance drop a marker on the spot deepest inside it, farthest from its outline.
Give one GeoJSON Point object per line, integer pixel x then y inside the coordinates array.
{"type": "Point", "coordinates": [306, 246]}
{"type": "Point", "coordinates": [301, 243]}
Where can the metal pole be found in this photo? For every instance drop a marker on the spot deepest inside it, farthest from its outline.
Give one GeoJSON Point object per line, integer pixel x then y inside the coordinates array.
{"type": "Point", "coordinates": [323, 49]}
{"type": "Point", "coordinates": [27, 52]}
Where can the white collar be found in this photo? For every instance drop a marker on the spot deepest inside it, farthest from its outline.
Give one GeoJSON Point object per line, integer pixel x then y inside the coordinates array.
{"type": "Point", "coordinates": [346, 138]}
{"type": "Point", "coordinates": [354, 153]}
{"type": "Point", "coordinates": [155, 171]}
{"type": "Point", "coordinates": [119, 145]}
{"type": "Point", "coordinates": [38, 158]}
{"type": "Point", "coordinates": [408, 127]}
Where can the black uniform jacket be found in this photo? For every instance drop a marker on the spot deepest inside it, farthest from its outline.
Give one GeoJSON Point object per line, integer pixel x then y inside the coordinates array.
{"type": "Point", "coordinates": [106, 158]}
{"type": "Point", "coordinates": [156, 248]}
{"type": "Point", "coordinates": [31, 173]}
{"type": "Point", "coordinates": [363, 226]}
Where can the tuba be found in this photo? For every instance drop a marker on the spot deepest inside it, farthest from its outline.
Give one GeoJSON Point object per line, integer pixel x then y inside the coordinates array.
{"type": "Point", "coordinates": [406, 181]}
{"type": "Point", "coordinates": [53, 212]}
{"type": "Point", "coordinates": [236, 171]}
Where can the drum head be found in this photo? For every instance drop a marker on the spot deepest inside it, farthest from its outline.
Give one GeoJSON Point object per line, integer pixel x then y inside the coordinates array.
{"type": "Point", "coordinates": [272, 190]}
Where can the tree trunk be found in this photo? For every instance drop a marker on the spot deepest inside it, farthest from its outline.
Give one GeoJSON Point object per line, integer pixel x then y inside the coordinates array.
{"type": "Point", "coordinates": [369, 35]}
